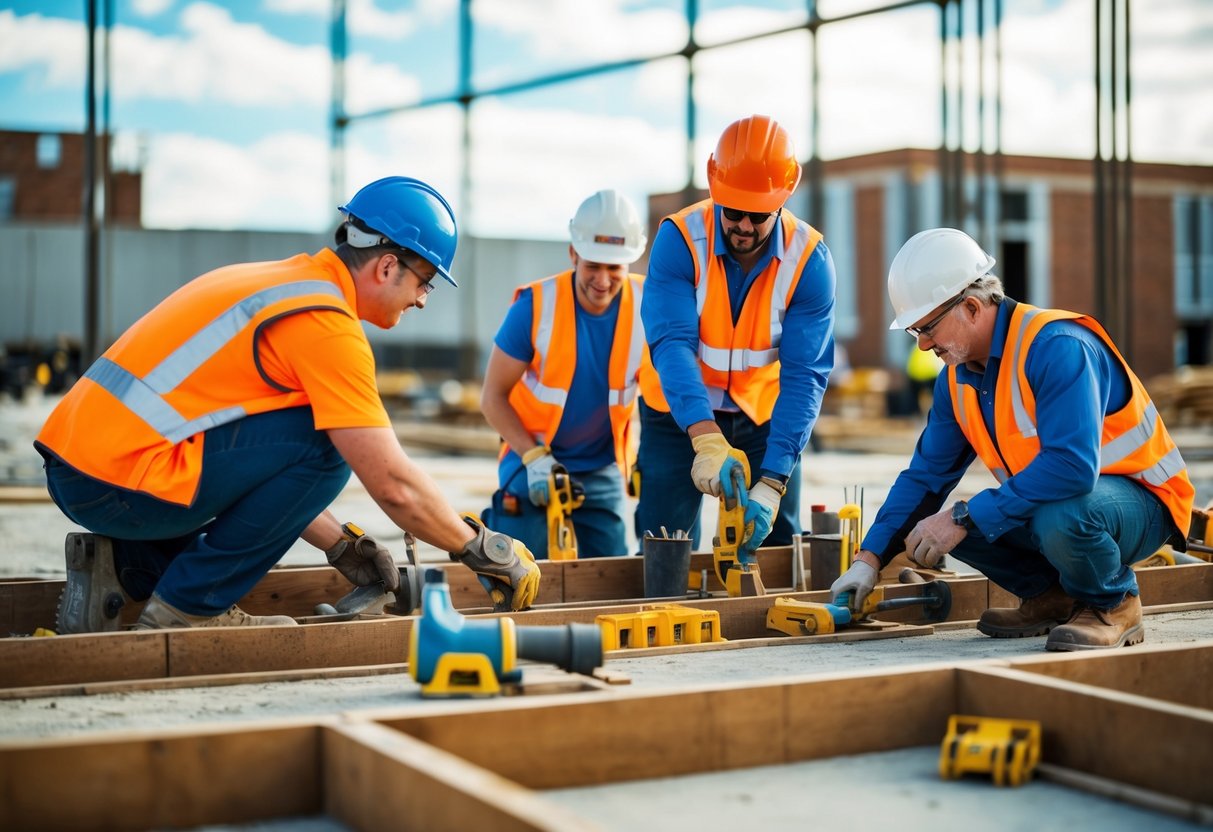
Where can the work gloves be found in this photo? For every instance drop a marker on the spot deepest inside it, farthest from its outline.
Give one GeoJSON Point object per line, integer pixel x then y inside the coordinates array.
{"type": "Point", "coordinates": [538, 461]}
{"type": "Point", "coordinates": [363, 561]}
{"type": "Point", "coordinates": [718, 469]}
{"type": "Point", "coordinates": [858, 581]}
{"type": "Point", "coordinates": [505, 567]}
{"type": "Point", "coordinates": [760, 513]}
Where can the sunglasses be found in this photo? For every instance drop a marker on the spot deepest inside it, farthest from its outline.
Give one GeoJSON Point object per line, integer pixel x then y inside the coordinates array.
{"type": "Point", "coordinates": [756, 217]}
{"type": "Point", "coordinates": [925, 329]}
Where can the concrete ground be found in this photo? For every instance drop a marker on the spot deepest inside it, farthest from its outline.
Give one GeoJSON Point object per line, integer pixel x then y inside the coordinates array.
{"type": "Point", "coordinates": [854, 791]}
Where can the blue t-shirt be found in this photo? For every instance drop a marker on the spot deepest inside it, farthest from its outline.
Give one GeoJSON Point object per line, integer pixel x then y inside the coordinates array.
{"type": "Point", "coordinates": [583, 441]}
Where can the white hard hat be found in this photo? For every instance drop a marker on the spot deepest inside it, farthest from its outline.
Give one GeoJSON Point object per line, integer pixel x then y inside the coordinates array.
{"type": "Point", "coordinates": [932, 267]}
{"type": "Point", "coordinates": [607, 229]}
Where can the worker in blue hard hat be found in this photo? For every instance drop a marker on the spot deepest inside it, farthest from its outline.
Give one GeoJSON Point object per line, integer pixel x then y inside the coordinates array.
{"type": "Point", "coordinates": [219, 428]}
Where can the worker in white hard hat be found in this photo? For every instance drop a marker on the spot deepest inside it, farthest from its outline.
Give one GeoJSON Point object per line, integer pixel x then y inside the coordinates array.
{"type": "Point", "coordinates": [561, 382]}
{"type": "Point", "coordinates": [1089, 480]}
{"type": "Point", "coordinates": [739, 314]}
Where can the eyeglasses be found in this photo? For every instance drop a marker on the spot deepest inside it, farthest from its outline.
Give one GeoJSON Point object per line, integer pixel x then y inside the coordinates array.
{"type": "Point", "coordinates": [427, 283]}
{"type": "Point", "coordinates": [925, 329]}
{"type": "Point", "coordinates": [756, 217]}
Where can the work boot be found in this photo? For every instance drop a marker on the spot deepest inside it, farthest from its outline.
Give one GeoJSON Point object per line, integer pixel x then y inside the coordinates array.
{"type": "Point", "coordinates": [93, 599]}
{"type": "Point", "coordinates": [158, 615]}
{"type": "Point", "coordinates": [1095, 629]}
{"type": "Point", "coordinates": [1034, 616]}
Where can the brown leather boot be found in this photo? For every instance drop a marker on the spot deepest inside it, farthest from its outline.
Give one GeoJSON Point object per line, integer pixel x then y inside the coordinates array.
{"type": "Point", "coordinates": [1034, 616]}
{"type": "Point", "coordinates": [158, 615]}
{"type": "Point", "coordinates": [1093, 629]}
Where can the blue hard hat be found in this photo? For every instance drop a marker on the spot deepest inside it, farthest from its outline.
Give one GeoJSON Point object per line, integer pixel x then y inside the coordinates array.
{"type": "Point", "coordinates": [410, 214]}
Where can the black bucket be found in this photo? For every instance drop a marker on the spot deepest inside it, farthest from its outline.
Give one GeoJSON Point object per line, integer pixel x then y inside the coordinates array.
{"type": "Point", "coordinates": [667, 563]}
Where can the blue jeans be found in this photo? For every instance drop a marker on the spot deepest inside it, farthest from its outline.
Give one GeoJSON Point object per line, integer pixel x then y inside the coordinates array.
{"type": "Point", "coordinates": [598, 523]}
{"type": "Point", "coordinates": [264, 479]}
{"type": "Point", "coordinates": [668, 496]}
{"type": "Point", "coordinates": [1084, 543]}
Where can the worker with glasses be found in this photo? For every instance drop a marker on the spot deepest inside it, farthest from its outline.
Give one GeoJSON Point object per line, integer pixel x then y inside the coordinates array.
{"type": "Point", "coordinates": [739, 316]}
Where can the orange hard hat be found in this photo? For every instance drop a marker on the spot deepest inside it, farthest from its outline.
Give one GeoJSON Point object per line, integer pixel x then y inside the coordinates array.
{"type": "Point", "coordinates": [754, 167]}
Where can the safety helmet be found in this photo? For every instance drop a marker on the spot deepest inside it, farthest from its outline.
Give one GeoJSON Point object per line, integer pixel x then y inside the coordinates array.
{"type": "Point", "coordinates": [933, 266]}
{"type": "Point", "coordinates": [607, 229]}
{"type": "Point", "coordinates": [406, 212]}
{"type": "Point", "coordinates": [754, 167]}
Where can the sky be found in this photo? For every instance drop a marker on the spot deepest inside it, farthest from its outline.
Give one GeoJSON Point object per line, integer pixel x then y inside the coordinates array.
{"type": "Point", "coordinates": [225, 106]}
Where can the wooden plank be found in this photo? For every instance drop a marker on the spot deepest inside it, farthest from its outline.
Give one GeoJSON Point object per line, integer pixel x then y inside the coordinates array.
{"type": "Point", "coordinates": [377, 778]}
{"type": "Point", "coordinates": [27, 605]}
{"type": "Point", "coordinates": [586, 740]}
{"type": "Point", "coordinates": [1179, 673]}
{"type": "Point", "coordinates": [1131, 739]}
{"type": "Point", "coordinates": [99, 657]}
{"type": "Point", "coordinates": [176, 779]}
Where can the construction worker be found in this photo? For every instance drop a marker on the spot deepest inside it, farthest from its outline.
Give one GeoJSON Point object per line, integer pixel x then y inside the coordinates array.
{"type": "Point", "coordinates": [216, 431]}
{"type": "Point", "coordinates": [739, 316]}
{"type": "Point", "coordinates": [561, 382]}
{"type": "Point", "coordinates": [1089, 480]}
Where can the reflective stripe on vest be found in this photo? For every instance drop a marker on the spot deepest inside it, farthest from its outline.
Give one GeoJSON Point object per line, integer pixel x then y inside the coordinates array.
{"type": "Point", "coordinates": [145, 396]}
{"type": "Point", "coordinates": [543, 346]}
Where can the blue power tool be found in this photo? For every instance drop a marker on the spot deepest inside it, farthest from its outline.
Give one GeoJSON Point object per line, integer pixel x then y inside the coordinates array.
{"type": "Point", "coordinates": [451, 655]}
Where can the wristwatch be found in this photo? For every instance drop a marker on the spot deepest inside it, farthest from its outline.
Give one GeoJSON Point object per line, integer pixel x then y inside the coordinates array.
{"type": "Point", "coordinates": [781, 488]}
{"type": "Point", "coordinates": [960, 515]}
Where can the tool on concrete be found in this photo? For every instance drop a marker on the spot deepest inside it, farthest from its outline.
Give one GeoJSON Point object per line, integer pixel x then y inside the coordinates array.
{"type": "Point", "coordinates": [739, 578]}
{"type": "Point", "coordinates": [564, 496]}
{"type": "Point", "coordinates": [806, 618]}
{"type": "Point", "coordinates": [451, 655]}
{"type": "Point", "coordinates": [1007, 749]}
{"type": "Point", "coordinates": [667, 564]}
{"type": "Point", "coordinates": [662, 625]}
{"type": "Point", "coordinates": [92, 598]}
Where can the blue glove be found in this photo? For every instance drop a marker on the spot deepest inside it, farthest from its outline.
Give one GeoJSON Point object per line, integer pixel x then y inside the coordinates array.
{"type": "Point", "coordinates": [538, 461]}
{"type": "Point", "coordinates": [759, 516]}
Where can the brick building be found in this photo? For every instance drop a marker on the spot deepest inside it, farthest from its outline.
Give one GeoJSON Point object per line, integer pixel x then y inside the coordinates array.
{"type": "Point", "coordinates": [1039, 226]}
{"type": "Point", "coordinates": [42, 179]}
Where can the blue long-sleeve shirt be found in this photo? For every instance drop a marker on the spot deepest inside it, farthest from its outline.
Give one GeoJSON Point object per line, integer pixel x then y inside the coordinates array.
{"type": "Point", "coordinates": [806, 351]}
{"type": "Point", "coordinates": [1076, 381]}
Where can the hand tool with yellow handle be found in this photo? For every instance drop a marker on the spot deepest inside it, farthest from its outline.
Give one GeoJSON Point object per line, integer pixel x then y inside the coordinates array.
{"type": "Point", "coordinates": [564, 495]}
{"type": "Point", "coordinates": [849, 519]}
{"type": "Point", "coordinates": [805, 618]}
{"type": "Point", "coordinates": [738, 578]}
{"type": "Point", "coordinates": [1007, 749]}
{"type": "Point", "coordinates": [450, 655]}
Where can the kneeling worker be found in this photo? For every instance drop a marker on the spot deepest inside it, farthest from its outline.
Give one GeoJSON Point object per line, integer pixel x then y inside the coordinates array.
{"type": "Point", "coordinates": [218, 429]}
{"type": "Point", "coordinates": [1089, 479]}
{"type": "Point", "coordinates": [562, 379]}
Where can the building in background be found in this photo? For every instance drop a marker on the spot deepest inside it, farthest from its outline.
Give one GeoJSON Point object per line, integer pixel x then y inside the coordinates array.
{"type": "Point", "coordinates": [1039, 225]}
{"type": "Point", "coordinates": [42, 178]}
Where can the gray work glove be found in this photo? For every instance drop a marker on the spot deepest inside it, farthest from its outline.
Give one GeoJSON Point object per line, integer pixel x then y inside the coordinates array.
{"type": "Point", "coordinates": [538, 461]}
{"type": "Point", "coordinates": [858, 581]}
{"type": "Point", "coordinates": [505, 567]}
{"type": "Point", "coordinates": [363, 561]}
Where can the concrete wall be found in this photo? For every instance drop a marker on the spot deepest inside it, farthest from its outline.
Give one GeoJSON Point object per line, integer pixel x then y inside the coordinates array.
{"type": "Point", "coordinates": [42, 283]}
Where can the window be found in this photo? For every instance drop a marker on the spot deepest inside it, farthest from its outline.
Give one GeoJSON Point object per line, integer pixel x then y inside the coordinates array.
{"type": "Point", "coordinates": [49, 150]}
{"type": "Point", "coordinates": [8, 197]}
{"type": "Point", "coordinates": [1013, 206]}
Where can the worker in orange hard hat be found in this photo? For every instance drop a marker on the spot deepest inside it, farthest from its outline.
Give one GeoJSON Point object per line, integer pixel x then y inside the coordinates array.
{"type": "Point", "coordinates": [739, 315]}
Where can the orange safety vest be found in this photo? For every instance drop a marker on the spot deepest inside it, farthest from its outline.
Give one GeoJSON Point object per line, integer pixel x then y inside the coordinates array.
{"type": "Point", "coordinates": [540, 395]}
{"type": "Point", "coordinates": [739, 359]}
{"type": "Point", "coordinates": [1135, 443]}
{"type": "Point", "coordinates": [137, 418]}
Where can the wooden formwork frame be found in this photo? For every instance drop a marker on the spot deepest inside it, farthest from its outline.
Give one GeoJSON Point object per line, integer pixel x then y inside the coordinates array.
{"type": "Point", "coordinates": [390, 769]}
{"type": "Point", "coordinates": [82, 664]}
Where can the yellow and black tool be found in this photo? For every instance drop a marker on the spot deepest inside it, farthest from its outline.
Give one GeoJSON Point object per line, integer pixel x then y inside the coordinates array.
{"type": "Point", "coordinates": [1007, 749]}
{"type": "Point", "coordinates": [738, 578]}
{"type": "Point", "coordinates": [564, 495]}
{"type": "Point", "coordinates": [794, 617]}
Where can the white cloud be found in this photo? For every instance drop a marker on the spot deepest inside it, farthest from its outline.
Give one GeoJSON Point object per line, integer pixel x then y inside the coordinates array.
{"type": "Point", "coordinates": [365, 18]}
{"type": "Point", "coordinates": [50, 48]}
{"type": "Point", "coordinates": [151, 8]}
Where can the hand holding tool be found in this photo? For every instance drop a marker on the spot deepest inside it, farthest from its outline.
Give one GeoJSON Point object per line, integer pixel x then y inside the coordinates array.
{"type": "Point", "coordinates": [538, 461]}
{"type": "Point", "coordinates": [714, 468]}
{"type": "Point", "coordinates": [805, 618]}
{"type": "Point", "coordinates": [451, 655]}
{"type": "Point", "coordinates": [566, 495]}
{"type": "Point", "coordinates": [363, 561]}
{"type": "Point", "coordinates": [505, 567]}
{"type": "Point", "coordinates": [739, 577]}
{"type": "Point", "coordinates": [760, 511]}
{"type": "Point", "coordinates": [853, 586]}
